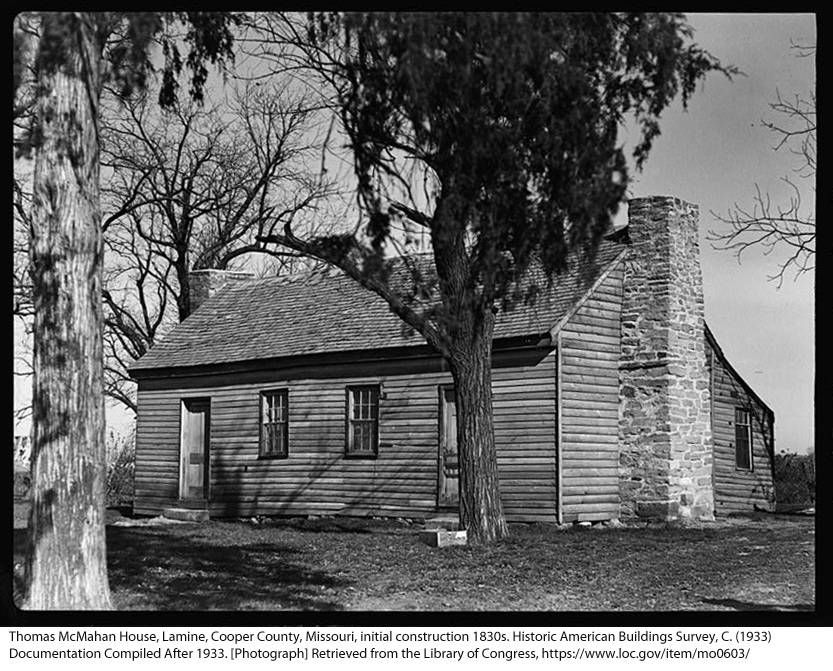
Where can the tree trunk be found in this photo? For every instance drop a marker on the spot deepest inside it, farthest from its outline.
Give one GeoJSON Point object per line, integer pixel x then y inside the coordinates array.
{"type": "Point", "coordinates": [466, 327]}
{"type": "Point", "coordinates": [481, 511]}
{"type": "Point", "coordinates": [67, 563]}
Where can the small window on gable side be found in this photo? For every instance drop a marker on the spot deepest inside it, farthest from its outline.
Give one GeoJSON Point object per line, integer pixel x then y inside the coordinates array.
{"type": "Point", "coordinates": [743, 439]}
{"type": "Point", "coordinates": [274, 424]}
{"type": "Point", "coordinates": [362, 423]}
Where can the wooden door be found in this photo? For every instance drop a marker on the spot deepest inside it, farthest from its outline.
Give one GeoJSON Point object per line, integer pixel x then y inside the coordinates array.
{"type": "Point", "coordinates": [449, 465]}
{"type": "Point", "coordinates": [193, 479]}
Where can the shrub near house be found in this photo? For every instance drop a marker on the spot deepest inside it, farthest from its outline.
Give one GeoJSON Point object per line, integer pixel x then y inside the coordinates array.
{"type": "Point", "coordinates": [795, 478]}
{"type": "Point", "coordinates": [120, 460]}
{"type": "Point", "coordinates": [22, 480]}
{"type": "Point", "coordinates": [121, 457]}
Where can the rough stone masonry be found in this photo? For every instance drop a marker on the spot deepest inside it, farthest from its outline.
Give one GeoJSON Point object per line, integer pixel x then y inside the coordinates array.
{"type": "Point", "coordinates": [665, 462]}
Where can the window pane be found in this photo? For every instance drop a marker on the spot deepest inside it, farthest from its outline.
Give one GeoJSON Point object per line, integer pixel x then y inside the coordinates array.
{"type": "Point", "coordinates": [275, 423]}
{"type": "Point", "coordinates": [363, 415]}
{"type": "Point", "coordinates": [743, 439]}
{"type": "Point", "coordinates": [374, 404]}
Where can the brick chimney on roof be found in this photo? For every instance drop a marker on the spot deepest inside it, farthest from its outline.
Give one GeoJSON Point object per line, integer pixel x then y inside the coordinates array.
{"type": "Point", "coordinates": [205, 283]}
{"type": "Point", "coordinates": [665, 460]}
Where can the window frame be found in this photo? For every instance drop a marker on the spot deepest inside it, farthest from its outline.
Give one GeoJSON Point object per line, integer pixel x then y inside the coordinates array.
{"type": "Point", "coordinates": [743, 419]}
{"type": "Point", "coordinates": [263, 452]}
{"type": "Point", "coordinates": [350, 452]}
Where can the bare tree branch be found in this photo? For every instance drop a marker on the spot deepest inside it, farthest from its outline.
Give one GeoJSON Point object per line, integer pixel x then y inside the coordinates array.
{"type": "Point", "coordinates": [788, 228]}
{"type": "Point", "coordinates": [193, 188]}
{"type": "Point", "coordinates": [350, 257]}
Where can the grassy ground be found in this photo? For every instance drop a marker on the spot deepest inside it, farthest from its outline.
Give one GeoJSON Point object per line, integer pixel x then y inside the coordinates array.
{"type": "Point", "coordinates": [765, 562]}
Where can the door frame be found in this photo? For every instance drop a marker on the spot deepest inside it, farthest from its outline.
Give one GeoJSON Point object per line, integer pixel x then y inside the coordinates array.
{"type": "Point", "coordinates": [183, 454]}
{"type": "Point", "coordinates": [444, 505]}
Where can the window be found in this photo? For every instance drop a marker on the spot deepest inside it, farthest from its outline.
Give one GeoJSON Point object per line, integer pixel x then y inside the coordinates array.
{"type": "Point", "coordinates": [743, 438]}
{"type": "Point", "coordinates": [362, 421]}
{"type": "Point", "coordinates": [274, 423]}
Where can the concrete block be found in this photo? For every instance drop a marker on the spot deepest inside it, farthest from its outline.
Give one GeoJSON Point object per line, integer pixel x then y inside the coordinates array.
{"type": "Point", "coordinates": [440, 538]}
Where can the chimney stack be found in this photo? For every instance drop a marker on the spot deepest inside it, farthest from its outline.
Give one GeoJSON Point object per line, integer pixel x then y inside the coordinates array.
{"type": "Point", "coordinates": [206, 283]}
{"type": "Point", "coordinates": [665, 461]}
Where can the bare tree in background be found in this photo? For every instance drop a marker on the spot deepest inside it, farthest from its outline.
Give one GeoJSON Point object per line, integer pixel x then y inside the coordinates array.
{"type": "Point", "coordinates": [192, 188]}
{"type": "Point", "coordinates": [788, 225]}
{"type": "Point", "coordinates": [23, 112]}
{"type": "Point", "coordinates": [22, 305]}
{"type": "Point", "coordinates": [184, 188]}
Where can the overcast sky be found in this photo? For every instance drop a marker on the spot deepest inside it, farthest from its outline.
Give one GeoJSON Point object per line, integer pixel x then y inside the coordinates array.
{"type": "Point", "coordinates": [713, 155]}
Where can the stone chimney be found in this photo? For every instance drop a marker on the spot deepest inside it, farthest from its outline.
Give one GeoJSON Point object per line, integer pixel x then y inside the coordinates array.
{"type": "Point", "coordinates": [665, 459]}
{"type": "Point", "coordinates": [205, 283]}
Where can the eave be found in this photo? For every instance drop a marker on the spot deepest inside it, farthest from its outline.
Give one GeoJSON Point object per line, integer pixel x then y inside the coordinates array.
{"type": "Point", "coordinates": [719, 352]}
{"type": "Point", "coordinates": [534, 341]}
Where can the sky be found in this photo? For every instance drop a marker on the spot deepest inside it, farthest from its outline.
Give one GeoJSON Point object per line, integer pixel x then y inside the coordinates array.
{"type": "Point", "coordinates": [713, 154]}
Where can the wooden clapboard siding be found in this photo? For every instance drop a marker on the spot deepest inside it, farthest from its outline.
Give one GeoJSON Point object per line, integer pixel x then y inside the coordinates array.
{"type": "Point", "coordinates": [736, 489]}
{"type": "Point", "coordinates": [524, 402]}
{"type": "Point", "coordinates": [316, 478]}
{"type": "Point", "coordinates": [589, 345]}
{"type": "Point", "coordinates": [156, 479]}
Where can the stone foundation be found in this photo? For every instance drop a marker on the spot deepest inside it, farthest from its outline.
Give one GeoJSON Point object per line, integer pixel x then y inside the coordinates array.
{"type": "Point", "coordinates": [665, 462]}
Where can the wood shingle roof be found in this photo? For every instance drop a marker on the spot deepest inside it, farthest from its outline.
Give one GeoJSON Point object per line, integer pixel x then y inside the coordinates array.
{"type": "Point", "coordinates": [327, 312]}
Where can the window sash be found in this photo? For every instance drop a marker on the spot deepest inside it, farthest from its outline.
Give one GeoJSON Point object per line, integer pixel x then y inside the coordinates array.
{"type": "Point", "coordinates": [274, 434]}
{"type": "Point", "coordinates": [743, 439]}
{"type": "Point", "coordinates": [363, 420]}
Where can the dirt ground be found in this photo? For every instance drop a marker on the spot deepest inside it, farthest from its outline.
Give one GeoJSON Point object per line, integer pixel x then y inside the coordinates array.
{"type": "Point", "coordinates": [762, 562]}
